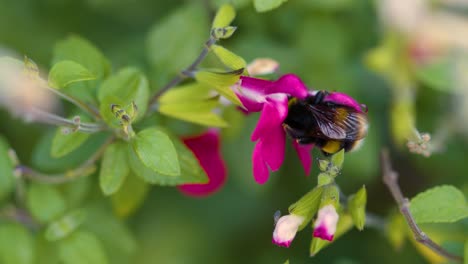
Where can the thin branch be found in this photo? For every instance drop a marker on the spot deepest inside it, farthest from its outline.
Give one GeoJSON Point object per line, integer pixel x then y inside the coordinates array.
{"type": "Point", "coordinates": [182, 76]}
{"type": "Point", "coordinates": [83, 170]}
{"type": "Point", "coordinates": [390, 178]}
{"type": "Point", "coordinates": [38, 115]}
{"type": "Point", "coordinates": [77, 102]}
{"type": "Point", "coordinates": [21, 216]}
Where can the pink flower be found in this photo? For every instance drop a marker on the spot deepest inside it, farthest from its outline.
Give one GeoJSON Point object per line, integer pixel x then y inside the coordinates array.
{"type": "Point", "coordinates": [206, 148]}
{"type": "Point", "coordinates": [271, 98]}
{"type": "Point", "coordinates": [286, 229]}
{"type": "Point", "coordinates": [325, 225]}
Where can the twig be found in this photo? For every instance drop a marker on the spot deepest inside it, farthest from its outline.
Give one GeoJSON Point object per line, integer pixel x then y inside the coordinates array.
{"type": "Point", "coordinates": [83, 170]}
{"type": "Point", "coordinates": [38, 115]}
{"type": "Point", "coordinates": [390, 178]}
{"type": "Point", "coordinates": [89, 109]}
{"type": "Point", "coordinates": [182, 76]}
{"type": "Point", "coordinates": [12, 213]}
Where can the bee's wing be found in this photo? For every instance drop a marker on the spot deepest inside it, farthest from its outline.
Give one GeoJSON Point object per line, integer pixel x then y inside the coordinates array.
{"type": "Point", "coordinates": [338, 122]}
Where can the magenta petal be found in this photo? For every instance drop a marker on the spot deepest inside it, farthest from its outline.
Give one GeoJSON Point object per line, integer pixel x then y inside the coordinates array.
{"type": "Point", "coordinates": [273, 147]}
{"type": "Point", "coordinates": [322, 232]}
{"type": "Point", "coordinates": [260, 169]}
{"type": "Point", "coordinates": [303, 151]}
{"type": "Point", "coordinates": [292, 85]}
{"type": "Point", "coordinates": [249, 104]}
{"type": "Point", "coordinates": [343, 99]}
{"type": "Point", "coordinates": [273, 114]}
{"type": "Point", "coordinates": [257, 85]}
{"type": "Point", "coordinates": [206, 149]}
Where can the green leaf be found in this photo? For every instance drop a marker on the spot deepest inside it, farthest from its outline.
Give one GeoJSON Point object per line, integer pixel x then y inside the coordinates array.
{"type": "Point", "coordinates": [156, 150]}
{"type": "Point", "coordinates": [82, 247]}
{"type": "Point", "coordinates": [173, 44]}
{"type": "Point", "coordinates": [221, 82]}
{"type": "Point", "coordinates": [16, 245]}
{"type": "Point", "coordinates": [81, 51]}
{"type": "Point", "coordinates": [225, 15]}
{"type": "Point", "coordinates": [65, 225]}
{"type": "Point", "coordinates": [126, 86]}
{"type": "Point", "coordinates": [64, 143]}
{"type": "Point", "coordinates": [114, 168]}
{"type": "Point", "coordinates": [357, 207]}
{"type": "Point", "coordinates": [130, 196]}
{"type": "Point", "coordinates": [337, 159]}
{"type": "Point", "coordinates": [200, 112]}
{"type": "Point", "coordinates": [186, 94]}
{"type": "Point", "coordinates": [44, 202]}
{"type": "Point", "coordinates": [441, 204]}
{"type": "Point", "coordinates": [307, 206]}
{"type": "Point", "coordinates": [66, 72]}
{"type": "Point", "coordinates": [228, 58]}
{"type": "Point", "coordinates": [344, 225]}
{"type": "Point", "coordinates": [267, 5]}
{"type": "Point", "coordinates": [190, 169]}
{"type": "Point", "coordinates": [7, 178]}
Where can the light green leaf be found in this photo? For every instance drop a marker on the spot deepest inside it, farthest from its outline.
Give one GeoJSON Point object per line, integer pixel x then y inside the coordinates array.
{"type": "Point", "coordinates": [66, 72]}
{"type": "Point", "coordinates": [63, 144]}
{"type": "Point", "coordinates": [156, 150]}
{"type": "Point", "coordinates": [221, 82]}
{"type": "Point", "coordinates": [307, 206]}
{"type": "Point", "coordinates": [81, 51]}
{"type": "Point", "coordinates": [357, 207]}
{"type": "Point", "coordinates": [114, 168]}
{"type": "Point", "coordinates": [130, 196]}
{"type": "Point", "coordinates": [65, 225]}
{"type": "Point", "coordinates": [199, 112]}
{"type": "Point", "coordinates": [441, 204]}
{"type": "Point", "coordinates": [191, 171]}
{"type": "Point", "coordinates": [82, 247]}
{"type": "Point", "coordinates": [7, 179]}
{"type": "Point", "coordinates": [225, 15]}
{"type": "Point", "coordinates": [176, 41]}
{"type": "Point", "coordinates": [337, 159]}
{"type": "Point", "coordinates": [267, 5]}
{"type": "Point", "coordinates": [44, 202]}
{"type": "Point", "coordinates": [186, 94]}
{"type": "Point", "coordinates": [228, 58]}
{"type": "Point", "coordinates": [16, 245]}
{"type": "Point", "coordinates": [126, 86]}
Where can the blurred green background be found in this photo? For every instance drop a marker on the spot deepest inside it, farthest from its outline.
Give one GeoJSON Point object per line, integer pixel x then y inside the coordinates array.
{"type": "Point", "coordinates": [325, 43]}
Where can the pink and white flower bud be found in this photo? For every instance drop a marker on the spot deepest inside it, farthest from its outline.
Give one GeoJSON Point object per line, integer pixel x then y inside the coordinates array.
{"type": "Point", "coordinates": [286, 229]}
{"type": "Point", "coordinates": [262, 66]}
{"type": "Point", "coordinates": [325, 225]}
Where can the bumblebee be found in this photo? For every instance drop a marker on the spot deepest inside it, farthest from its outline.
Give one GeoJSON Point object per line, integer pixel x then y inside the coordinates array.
{"type": "Point", "coordinates": [329, 125]}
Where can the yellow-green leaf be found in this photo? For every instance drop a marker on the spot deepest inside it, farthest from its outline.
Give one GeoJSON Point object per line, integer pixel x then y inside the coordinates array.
{"type": "Point", "coordinates": [82, 247]}
{"type": "Point", "coordinates": [64, 143]}
{"type": "Point", "coordinates": [130, 196]}
{"type": "Point", "coordinates": [65, 225]}
{"type": "Point", "coordinates": [221, 82]}
{"type": "Point", "coordinates": [44, 202]}
{"type": "Point", "coordinates": [16, 244]}
{"type": "Point", "coordinates": [225, 15]}
{"type": "Point", "coordinates": [64, 73]}
{"type": "Point", "coordinates": [200, 112]}
{"type": "Point", "coordinates": [228, 58]}
{"type": "Point", "coordinates": [7, 179]}
{"type": "Point", "coordinates": [156, 150]}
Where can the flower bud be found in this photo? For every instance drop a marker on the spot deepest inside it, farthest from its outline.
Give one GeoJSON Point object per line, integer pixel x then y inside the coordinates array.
{"type": "Point", "coordinates": [357, 208]}
{"type": "Point", "coordinates": [325, 225]}
{"type": "Point", "coordinates": [286, 229]}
